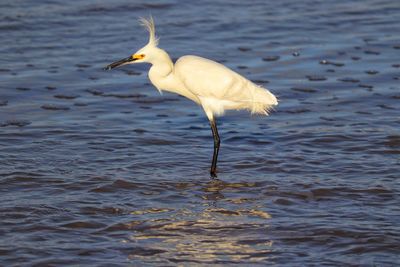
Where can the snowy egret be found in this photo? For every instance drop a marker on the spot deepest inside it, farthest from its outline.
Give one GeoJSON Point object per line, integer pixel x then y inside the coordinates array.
{"type": "Point", "coordinates": [213, 86]}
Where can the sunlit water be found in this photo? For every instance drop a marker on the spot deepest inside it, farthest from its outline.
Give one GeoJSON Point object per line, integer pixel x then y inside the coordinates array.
{"type": "Point", "coordinates": [96, 168]}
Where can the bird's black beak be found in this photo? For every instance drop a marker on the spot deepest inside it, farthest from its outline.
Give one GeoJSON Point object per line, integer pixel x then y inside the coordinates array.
{"type": "Point", "coordinates": [120, 63]}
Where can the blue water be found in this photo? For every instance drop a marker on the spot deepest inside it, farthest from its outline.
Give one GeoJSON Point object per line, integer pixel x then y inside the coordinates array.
{"type": "Point", "coordinates": [97, 168]}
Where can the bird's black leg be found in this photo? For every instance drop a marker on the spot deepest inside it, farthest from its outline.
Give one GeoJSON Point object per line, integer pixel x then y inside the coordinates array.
{"type": "Point", "coordinates": [214, 130]}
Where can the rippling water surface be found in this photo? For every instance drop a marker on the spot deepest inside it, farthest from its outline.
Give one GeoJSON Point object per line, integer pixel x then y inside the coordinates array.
{"type": "Point", "coordinates": [96, 168]}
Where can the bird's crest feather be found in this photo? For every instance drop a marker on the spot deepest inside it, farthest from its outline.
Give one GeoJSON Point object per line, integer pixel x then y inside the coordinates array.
{"type": "Point", "coordinates": [148, 24]}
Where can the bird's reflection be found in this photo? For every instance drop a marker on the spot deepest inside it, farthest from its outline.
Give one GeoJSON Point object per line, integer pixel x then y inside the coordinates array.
{"type": "Point", "coordinates": [209, 229]}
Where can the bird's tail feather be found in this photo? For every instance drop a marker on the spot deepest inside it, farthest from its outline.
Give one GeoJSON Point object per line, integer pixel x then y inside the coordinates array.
{"type": "Point", "coordinates": [263, 101]}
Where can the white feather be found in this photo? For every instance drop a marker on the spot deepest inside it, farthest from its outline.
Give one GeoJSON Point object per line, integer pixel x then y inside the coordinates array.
{"type": "Point", "coordinates": [148, 24]}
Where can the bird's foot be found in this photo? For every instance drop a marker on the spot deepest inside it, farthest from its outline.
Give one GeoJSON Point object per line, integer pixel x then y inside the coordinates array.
{"type": "Point", "coordinates": [213, 174]}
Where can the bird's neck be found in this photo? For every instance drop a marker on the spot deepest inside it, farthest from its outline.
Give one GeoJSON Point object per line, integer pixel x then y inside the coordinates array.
{"type": "Point", "coordinates": [162, 64]}
{"type": "Point", "coordinates": [160, 73]}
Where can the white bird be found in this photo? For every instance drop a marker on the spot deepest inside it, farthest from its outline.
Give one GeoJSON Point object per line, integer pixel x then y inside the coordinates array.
{"type": "Point", "coordinates": [213, 86]}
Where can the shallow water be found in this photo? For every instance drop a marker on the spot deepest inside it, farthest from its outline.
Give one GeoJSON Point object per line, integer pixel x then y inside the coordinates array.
{"type": "Point", "coordinates": [96, 168]}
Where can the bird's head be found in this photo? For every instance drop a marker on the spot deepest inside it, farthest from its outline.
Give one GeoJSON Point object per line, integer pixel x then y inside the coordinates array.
{"type": "Point", "coordinates": [144, 55]}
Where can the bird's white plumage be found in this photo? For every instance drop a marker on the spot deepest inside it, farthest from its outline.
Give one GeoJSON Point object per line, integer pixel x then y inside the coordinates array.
{"type": "Point", "coordinates": [220, 88]}
{"type": "Point", "coordinates": [208, 83]}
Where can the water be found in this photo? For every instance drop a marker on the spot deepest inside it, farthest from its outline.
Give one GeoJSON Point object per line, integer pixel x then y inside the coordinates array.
{"type": "Point", "coordinates": [96, 168]}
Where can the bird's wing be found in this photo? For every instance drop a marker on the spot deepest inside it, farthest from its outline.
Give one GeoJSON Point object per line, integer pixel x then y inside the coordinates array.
{"type": "Point", "coordinates": [207, 78]}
